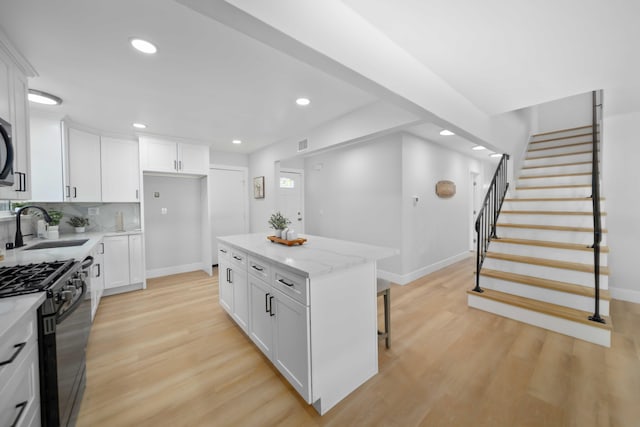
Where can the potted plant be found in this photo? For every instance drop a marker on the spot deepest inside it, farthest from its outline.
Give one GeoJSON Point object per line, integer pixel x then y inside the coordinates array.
{"type": "Point", "coordinates": [78, 223]}
{"type": "Point", "coordinates": [278, 222]}
{"type": "Point", "coordinates": [52, 227]}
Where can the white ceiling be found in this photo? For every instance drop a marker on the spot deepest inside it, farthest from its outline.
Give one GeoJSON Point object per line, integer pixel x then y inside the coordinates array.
{"type": "Point", "coordinates": [503, 55]}
{"type": "Point", "coordinates": [431, 132]}
{"type": "Point", "coordinates": [207, 82]}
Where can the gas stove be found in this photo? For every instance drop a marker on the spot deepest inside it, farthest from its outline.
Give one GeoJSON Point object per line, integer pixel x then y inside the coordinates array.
{"type": "Point", "coordinates": [31, 278]}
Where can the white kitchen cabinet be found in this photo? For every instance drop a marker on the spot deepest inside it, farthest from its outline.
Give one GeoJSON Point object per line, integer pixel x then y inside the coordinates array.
{"type": "Point", "coordinates": [120, 170]}
{"type": "Point", "coordinates": [19, 377]}
{"type": "Point", "coordinates": [83, 180]}
{"type": "Point", "coordinates": [6, 67]}
{"type": "Point", "coordinates": [260, 323]}
{"type": "Point", "coordinates": [96, 277]}
{"type": "Point", "coordinates": [160, 155]}
{"type": "Point", "coordinates": [225, 288]}
{"type": "Point", "coordinates": [123, 263]}
{"type": "Point", "coordinates": [47, 182]}
{"type": "Point", "coordinates": [233, 285]}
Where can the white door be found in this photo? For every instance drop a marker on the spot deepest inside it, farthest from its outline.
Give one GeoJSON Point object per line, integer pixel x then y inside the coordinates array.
{"type": "Point", "coordinates": [228, 199]}
{"type": "Point", "coordinates": [292, 198]}
{"type": "Point", "coordinates": [475, 206]}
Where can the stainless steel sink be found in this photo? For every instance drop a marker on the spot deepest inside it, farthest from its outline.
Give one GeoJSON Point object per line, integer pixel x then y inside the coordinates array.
{"type": "Point", "coordinates": [57, 244]}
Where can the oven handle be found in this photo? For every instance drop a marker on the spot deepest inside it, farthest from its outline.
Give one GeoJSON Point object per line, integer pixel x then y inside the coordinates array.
{"type": "Point", "coordinates": [87, 262]}
{"type": "Point", "coordinates": [72, 308]}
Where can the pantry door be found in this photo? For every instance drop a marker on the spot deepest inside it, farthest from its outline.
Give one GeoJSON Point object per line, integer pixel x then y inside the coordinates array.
{"type": "Point", "coordinates": [229, 201]}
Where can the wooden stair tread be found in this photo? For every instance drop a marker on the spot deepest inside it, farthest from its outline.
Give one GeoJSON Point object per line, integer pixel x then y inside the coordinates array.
{"type": "Point", "coordinates": [549, 244]}
{"type": "Point", "coordinates": [516, 212]}
{"type": "Point", "coordinates": [551, 187]}
{"type": "Point", "coordinates": [550, 199]}
{"type": "Point", "coordinates": [556, 165]}
{"type": "Point", "coordinates": [560, 138]}
{"type": "Point", "coordinates": [575, 144]}
{"type": "Point", "coordinates": [562, 130]}
{"type": "Point", "coordinates": [544, 262]}
{"type": "Point", "coordinates": [567, 313]}
{"type": "Point", "coordinates": [550, 156]}
{"type": "Point", "coordinates": [559, 175]}
{"type": "Point", "coordinates": [539, 282]}
{"type": "Point", "coordinates": [550, 227]}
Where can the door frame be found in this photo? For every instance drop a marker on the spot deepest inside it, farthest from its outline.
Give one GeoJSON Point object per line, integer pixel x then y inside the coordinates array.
{"type": "Point", "coordinates": [245, 175]}
{"type": "Point", "coordinates": [304, 211]}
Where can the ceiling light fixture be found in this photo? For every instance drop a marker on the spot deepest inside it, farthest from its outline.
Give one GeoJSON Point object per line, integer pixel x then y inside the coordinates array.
{"type": "Point", "coordinates": [143, 46]}
{"type": "Point", "coordinates": [139, 126]}
{"type": "Point", "coordinates": [495, 155]}
{"type": "Point", "coordinates": [446, 132]}
{"type": "Point", "coordinates": [236, 141]}
{"type": "Point", "coordinates": [41, 97]}
{"type": "Point", "coordinates": [303, 101]}
{"type": "Point", "coordinates": [478, 148]}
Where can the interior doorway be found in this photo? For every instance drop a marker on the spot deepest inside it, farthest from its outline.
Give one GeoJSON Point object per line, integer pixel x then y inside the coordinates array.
{"type": "Point", "coordinates": [291, 197]}
{"type": "Point", "coordinates": [229, 200]}
{"type": "Point", "coordinates": [475, 195]}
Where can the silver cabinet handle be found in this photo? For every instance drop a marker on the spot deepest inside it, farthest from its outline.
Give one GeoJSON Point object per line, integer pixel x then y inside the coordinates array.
{"type": "Point", "coordinates": [175, 164]}
{"type": "Point", "coordinates": [179, 164]}
{"type": "Point", "coordinates": [137, 195]}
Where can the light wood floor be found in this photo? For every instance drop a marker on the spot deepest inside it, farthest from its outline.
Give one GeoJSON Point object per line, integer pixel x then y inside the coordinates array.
{"type": "Point", "coordinates": [170, 356]}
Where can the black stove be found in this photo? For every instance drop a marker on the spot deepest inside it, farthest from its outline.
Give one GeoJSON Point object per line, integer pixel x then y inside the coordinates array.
{"type": "Point", "coordinates": [31, 278]}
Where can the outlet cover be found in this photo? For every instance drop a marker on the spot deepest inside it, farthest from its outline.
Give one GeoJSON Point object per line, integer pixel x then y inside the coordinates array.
{"type": "Point", "coordinates": [94, 211]}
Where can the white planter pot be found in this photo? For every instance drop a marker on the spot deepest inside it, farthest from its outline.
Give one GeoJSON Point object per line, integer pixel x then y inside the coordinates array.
{"type": "Point", "coordinates": [278, 233]}
{"type": "Point", "coordinates": [79, 229]}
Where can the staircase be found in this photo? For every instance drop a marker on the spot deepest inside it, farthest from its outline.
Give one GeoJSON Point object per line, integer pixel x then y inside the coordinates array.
{"type": "Point", "coordinates": [540, 267]}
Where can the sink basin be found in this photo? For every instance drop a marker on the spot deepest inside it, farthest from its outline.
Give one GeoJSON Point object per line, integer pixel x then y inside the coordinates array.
{"type": "Point", "coordinates": [57, 244]}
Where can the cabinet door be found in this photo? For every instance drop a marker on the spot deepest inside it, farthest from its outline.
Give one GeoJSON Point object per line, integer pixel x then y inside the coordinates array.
{"type": "Point", "coordinates": [116, 261]}
{"type": "Point", "coordinates": [97, 278]}
{"type": "Point", "coordinates": [260, 323]}
{"type": "Point", "coordinates": [225, 289]}
{"type": "Point", "coordinates": [240, 307]}
{"type": "Point", "coordinates": [5, 87]}
{"type": "Point", "coordinates": [193, 159]}
{"type": "Point", "coordinates": [158, 155]}
{"type": "Point", "coordinates": [21, 162]}
{"type": "Point", "coordinates": [120, 170]}
{"type": "Point", "coordinates": [83, 164]}
{"type": "Point", "coordinates": [46, 159]}
{"type": "Point", "coordinates": [290, 341]}
{"type": "Point", "coordinates": [136, 266]}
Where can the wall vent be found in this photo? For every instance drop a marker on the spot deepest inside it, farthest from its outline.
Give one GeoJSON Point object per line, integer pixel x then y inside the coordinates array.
{"type": "Point", "coordinates": [303, 145]}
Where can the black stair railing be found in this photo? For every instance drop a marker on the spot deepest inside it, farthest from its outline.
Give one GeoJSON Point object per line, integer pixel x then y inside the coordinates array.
{"type": "Point", "coordinates": [487, 220]}
{"type": "Point", "coordinates": [595, 197]}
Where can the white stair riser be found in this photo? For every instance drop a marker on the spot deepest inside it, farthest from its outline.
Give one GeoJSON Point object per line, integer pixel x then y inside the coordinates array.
{"type": "Point", "coordinates": [550, 161]}
{"type": "Point", "coordinates": [585, 238]}
{"type": "Point", "coordinates": [583, 205]}
{"type": "Point", "coordinates": [567, 147]}
{"type": "Point", "coordinates": [551, 170]}
{"type": "Point", "coordinates": [553, 192]}
{"type": "Point", "coordinates": [562, 220]}
{"type": "Point", "coordinates": [581, 331]}
{"type": "Point", "coordinates": [560, 142]}
{"type": "Point", "coordinates": [570, 255]}
{"type": "Point", "coordinates": [579, 302]}
{"type": "Point", "coordinates": [555, 180]}
{"type": "Point", "coordinates": [544, 272]}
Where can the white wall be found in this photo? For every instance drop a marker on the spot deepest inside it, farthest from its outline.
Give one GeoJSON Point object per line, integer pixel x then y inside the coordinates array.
{"type": "Point", "coordinates": [565, 113]}
{"type": "Point", "coordinates": [354, 194]}
{"type": "Point", "coordinates": [173, 241]}
{"type": "Point", "coordinates": [621, 151]}
{"type": "Point", "coordinates": [228, 159]}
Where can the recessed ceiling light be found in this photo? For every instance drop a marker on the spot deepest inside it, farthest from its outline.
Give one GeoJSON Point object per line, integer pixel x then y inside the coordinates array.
{"type": "Point", "coordinates": [236, 141]}
{"type": "Point", "coordinates": [478, 148]}
{"type": "Point", "coordinates": [445, 132]}
{"type": "Point", "coordinates": [495, 155]}
{"type": "Point", "coordinates": [139, 125]}
{"type": "Point", "coordinates": [41, 97]}
{"type": "Point", "coordinates": [143, 46]}
{"type": "Point", "coordinates": [303, 101]}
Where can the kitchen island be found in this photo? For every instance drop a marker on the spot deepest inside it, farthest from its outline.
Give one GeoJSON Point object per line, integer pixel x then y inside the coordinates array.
{"type": "Point", "coordinates": [311, 309]}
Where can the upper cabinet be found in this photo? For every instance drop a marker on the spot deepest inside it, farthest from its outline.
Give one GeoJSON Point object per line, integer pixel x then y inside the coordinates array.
{"type": "Point", "coordinates": [120, 170]}
{"type": "Point", "coordinates": [14, 108]}
{"type": "Point", "coordinates": [82, 172]}
{"type": "Point", "coordinates": [160, 155]}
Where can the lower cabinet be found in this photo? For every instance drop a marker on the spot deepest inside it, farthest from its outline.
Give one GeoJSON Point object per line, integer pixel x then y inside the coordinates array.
{"type": "Point", "coordinates": [123, 263]}
{"type": "Point", "coordinates": [233, 286]}
{"type": "Point", "coordinates": [96, 277]}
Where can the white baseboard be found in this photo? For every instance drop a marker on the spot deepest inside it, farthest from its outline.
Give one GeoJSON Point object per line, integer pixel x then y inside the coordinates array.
{"type": "Point", "coordinates": [623, 294]}
{"type": "Point", "coordinates": [122, 289]}
{"type": "Point", "coordinates": [403, 279]}
{"type": "Point", "coordinates": [177, 269]}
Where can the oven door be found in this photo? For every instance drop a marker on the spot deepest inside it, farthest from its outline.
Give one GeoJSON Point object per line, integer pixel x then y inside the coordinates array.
{"type": "Point", "coordinates": [6, 154]}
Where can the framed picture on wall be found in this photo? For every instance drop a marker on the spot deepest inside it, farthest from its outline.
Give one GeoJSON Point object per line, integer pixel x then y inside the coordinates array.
{"type": "Point", "coordinates": [258, 187]}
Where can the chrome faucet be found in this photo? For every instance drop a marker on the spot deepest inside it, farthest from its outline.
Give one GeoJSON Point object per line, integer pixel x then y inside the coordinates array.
{"type": "Point", "coordinates": [18, 243]}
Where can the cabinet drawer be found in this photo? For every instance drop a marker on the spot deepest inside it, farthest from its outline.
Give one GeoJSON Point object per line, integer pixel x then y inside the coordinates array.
{"type": "Point", "coordinates": [14, 344]}
{"type": "Point", "coordinates": [224, 252]}
{"type": "Point", "coordinates": [260, 269]}
{"type": "Point", "coordinates": [238, 258]}
{"type": "Point", "coordinates": [291, 284]}
{"type": "Point", "coordinates": [20, 394]}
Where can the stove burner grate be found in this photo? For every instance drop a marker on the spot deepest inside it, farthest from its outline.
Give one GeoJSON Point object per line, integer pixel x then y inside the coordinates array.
{"type": "Point", "coordinates": [31, 278]}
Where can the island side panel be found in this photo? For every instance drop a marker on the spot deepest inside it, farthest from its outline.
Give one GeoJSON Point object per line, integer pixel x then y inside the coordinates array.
{"type": "Point", "coordinates": [344, 343]}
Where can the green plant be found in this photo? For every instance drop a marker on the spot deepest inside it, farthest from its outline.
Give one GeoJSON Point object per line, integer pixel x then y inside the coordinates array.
{"type": "Point", "coordinates": [56, 216]}
{"type": "Point", "coordinates": [78, 221]}
{"type": "Point", "coordinates": [277, 221]}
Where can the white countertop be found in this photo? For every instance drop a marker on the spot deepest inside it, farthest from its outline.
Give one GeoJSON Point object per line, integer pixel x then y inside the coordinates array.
{"type": "Point", "coordinates": [317, 256]}
{"type": "Point", "coordinates": [13, 308]}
